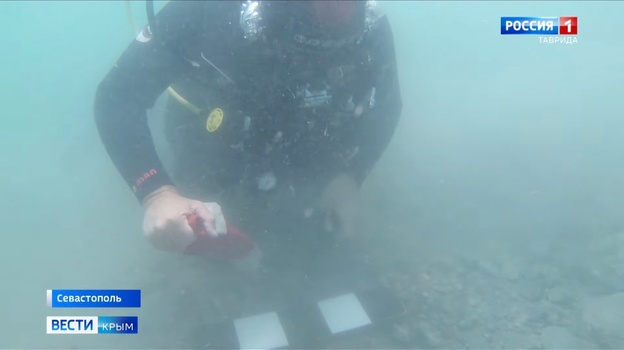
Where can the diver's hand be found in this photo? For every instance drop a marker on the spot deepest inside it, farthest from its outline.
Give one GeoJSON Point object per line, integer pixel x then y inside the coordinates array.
{"type": "Point", "coordinates": [340, 201]}
{"type": "Point", "coordinates": [165, 223]}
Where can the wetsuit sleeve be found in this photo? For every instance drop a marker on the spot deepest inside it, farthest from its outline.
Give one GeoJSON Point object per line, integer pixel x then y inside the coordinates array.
{"type": "Point", "coordinates": [381, 118]}
{"type": "Point", "coordinates": [146, 68]}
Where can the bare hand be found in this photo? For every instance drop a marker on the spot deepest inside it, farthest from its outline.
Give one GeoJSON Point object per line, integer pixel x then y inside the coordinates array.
{"type": "Point", "coordinates": [165, 223]}
{"type": "Point", "coordinates": [340, 200]}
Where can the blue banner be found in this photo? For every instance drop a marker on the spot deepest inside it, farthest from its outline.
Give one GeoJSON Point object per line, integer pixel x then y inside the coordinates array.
{"type": "Point", "coordinates": [94, 298]}
{"type": "Point", "coordinates": [529, 25]}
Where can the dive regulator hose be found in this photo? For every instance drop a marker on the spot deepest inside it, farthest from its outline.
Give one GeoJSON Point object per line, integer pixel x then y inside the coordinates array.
{"type": "Point", "coordinates": [151, 16]}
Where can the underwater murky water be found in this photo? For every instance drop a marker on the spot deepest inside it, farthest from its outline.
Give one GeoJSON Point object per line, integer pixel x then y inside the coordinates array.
{"type": "Point", "coordinates": [495, 214]}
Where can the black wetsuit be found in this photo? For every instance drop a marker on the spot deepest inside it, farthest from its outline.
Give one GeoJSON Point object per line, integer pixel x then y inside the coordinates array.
{"type": "Point", "coordinates": [284, 113]}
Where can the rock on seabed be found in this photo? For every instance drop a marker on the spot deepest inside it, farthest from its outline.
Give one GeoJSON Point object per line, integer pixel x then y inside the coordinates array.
{"type": "Point", "coordinates": [604, 316]}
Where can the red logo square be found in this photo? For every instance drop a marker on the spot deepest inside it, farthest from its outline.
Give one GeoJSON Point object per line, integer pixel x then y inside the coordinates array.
{"type": "Point", "coordinates": [568, 25]}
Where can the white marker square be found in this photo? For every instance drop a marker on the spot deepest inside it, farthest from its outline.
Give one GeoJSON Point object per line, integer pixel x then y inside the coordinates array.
{"type": "Point", "coordinates": [343, 313]}
{"type": "Point", "coordinates": [262, 331]}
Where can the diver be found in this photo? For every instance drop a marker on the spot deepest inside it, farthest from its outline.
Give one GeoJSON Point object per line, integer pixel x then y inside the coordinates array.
{"type": "Point", "coordinates": [289, 104]}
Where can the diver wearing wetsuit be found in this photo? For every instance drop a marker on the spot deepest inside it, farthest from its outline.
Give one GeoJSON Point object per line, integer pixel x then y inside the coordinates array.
{"type": "Point", "coordinates": [265, 96]}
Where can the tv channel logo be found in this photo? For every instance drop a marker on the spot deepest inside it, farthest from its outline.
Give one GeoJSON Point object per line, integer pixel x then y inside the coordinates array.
{"type": "Point", "coordinates": [539, 25]}
{"type": "Point", "coordinates": [92, 325]}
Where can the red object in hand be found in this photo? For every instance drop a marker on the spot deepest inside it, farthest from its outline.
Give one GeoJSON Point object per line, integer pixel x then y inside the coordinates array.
{"type": "Point", "coordinates": [233, 245]}
{"type": "Point", "coordinates": [197, 224]}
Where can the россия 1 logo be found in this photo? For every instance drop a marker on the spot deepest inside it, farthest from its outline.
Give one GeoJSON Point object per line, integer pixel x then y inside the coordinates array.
{"type": "Point", "coordinates": [560, 30]}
